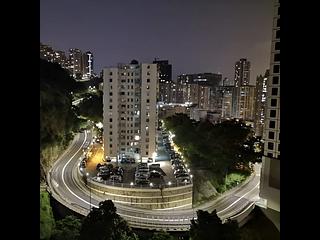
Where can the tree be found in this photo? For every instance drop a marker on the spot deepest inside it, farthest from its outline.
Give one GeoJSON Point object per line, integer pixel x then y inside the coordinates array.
{"type": "Point", "coordinates": [92, 107]}
{"type": "Point", "coordinates": [67, 229]}
{"type": "Point", "coordinates": [161, 235]}
{"type": "Point", "coordinates": [47, 222]}
{"type": "Point", "coordinates": [216, 147]}
{"type": "Point", "coordinates": [104, 223]}
{"type": "Point", "coordinates": [58, 119]}
{"type": "Point", "coordinates": [209, 226]}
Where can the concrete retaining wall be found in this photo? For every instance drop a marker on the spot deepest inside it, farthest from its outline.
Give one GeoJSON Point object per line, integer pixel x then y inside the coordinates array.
{"type": "Point", "coordinates": [147, 198]}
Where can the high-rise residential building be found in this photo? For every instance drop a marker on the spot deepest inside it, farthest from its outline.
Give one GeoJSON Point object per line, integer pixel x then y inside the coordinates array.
{"type": "Point", "coordinates": [208, 79]}
{"type": "Point", "coordinates": [243, 102]}
{"type": "Point", "coordinates": [242, 73]}
{"type": "Point", "coordinates": [226, 82]}
{"type": "Point", "coordinates": [226, 111]}
{"type": "Point", "coordinates": [165, 80]}
{"type": "Point", "coordinates": [87, 65]}
{"type": "Point", "coordinates": [75, 57]}
{"type": "Point", "coordinates": [46, 52]}
{"type": "Point", "coordinates": [130, 109]}
{"type": "Point", "coordinates": [79, 65]}
{"type": "Point", "coordinates": [204, 97]}
{"type": "Point", "coordinates": [60, 57]}
{"type": "Point", "coordinates": [260, 103]}
{"type": "Point", "coordinates": [198, 88]}
{"type": "Point", "coordinates": [173, 92]}
{"type": "Point", "coordinates": [243, 96]}
{"type": "Point", "coordinates": [270, 172]}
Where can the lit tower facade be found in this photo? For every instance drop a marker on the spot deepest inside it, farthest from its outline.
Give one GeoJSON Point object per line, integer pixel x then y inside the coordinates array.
{"type": "Point", "coordinates": [270, 172]}
{"type": "Point", "coordinates": [129, 110]}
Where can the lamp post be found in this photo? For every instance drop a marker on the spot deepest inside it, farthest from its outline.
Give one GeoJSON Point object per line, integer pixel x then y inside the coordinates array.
{"type": "Point", "coordinates": [87, 174]}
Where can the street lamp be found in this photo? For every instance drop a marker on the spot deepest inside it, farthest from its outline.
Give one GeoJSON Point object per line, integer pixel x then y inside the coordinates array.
{"type": "Point", "coordinates": [169, 183]}
{"type": "Point", "coordinates": [88, 175]}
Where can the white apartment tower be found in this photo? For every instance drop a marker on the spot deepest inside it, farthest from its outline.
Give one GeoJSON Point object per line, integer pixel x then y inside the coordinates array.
{"type": "Point", "coordinates": [129, 110]}
{"type": "Point", "coordinates": [270, 172]}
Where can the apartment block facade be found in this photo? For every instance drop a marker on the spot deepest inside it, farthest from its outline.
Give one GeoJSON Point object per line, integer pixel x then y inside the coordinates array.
{"type": "Point", "coordinates": [130, 109]}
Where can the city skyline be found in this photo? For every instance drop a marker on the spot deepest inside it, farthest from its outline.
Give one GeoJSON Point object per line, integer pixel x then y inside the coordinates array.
{"type": "Point", "coordinates": [144, 31]}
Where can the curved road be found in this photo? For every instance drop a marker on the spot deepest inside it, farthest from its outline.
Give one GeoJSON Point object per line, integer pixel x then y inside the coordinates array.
{"type": "Point", "coordinates": [66, 188]}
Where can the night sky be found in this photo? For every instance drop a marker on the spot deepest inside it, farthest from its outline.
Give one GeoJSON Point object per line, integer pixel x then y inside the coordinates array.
{"type": "Point", "coordinates": [194, 35]}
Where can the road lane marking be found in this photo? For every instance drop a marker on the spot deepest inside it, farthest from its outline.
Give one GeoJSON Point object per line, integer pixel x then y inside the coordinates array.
{"type": "Point", "coordinates": [131, 216]}
{"type": "Point", "coordinates": [239, 199]}
{"type": "Point", "coordinates": [64, 168]}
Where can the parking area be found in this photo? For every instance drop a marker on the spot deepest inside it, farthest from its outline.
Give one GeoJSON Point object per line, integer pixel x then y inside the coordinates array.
{"type": "Point", "coordinates": [167, 170]}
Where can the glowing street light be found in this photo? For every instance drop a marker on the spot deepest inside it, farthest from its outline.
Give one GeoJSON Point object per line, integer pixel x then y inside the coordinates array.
{"type": "Point", "coordinates": [131, 184]}
{"type": "Point", "coordinates": [151, 184]}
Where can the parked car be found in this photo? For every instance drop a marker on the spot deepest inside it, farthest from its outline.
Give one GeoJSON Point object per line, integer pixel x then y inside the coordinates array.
{"type": "Point", "coordinates": [97, 179]}
{"type": "Point", "coordinates": [142, 180]}
{"type": "Point", "coordinates": [83, 164]}
{"type": "Point", "coordinates": [177, 166]}
{"type": "Point", "coordinates": [118, 171]}
{"type": "Point", "coordinates": [104, 174]}
{"type": "Point", "coordinates": [184, 180]}
{"type": "Point", "coordinates": [155, 174]}
{"type": "Point", "coordinates": [115, 178]}
{"type": "Point", "coordinates": [127, 160]}
{"type": "Point", "coordinates": [142, 164]}
{"type": "Point", "coordinates": [179, 171]}
{"type": "Point", "coordinates": [141, 174]}
{"type": "Point", "coordinates": [182, 176]}
{"type": "Point", "coordinates": [175, 161]}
